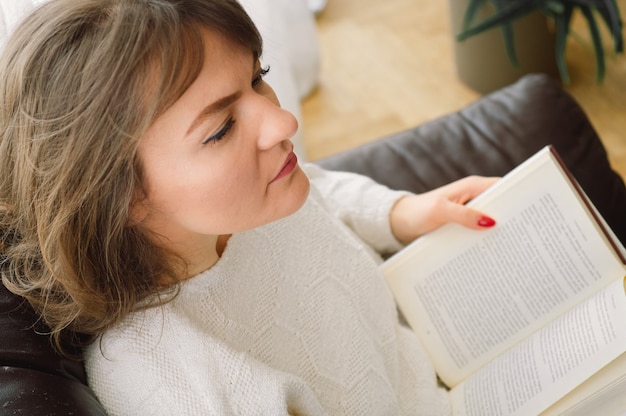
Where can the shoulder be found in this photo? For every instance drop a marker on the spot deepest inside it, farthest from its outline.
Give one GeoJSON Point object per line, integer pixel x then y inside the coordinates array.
{"type": "Point", "coordinates": [155, 368]}
{"type": "Point", "coordinates": [152, 358]}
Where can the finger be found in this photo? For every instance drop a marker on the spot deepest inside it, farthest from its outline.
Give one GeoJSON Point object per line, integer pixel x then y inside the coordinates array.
{"type": "Point", "coordinates": [468, 188]}
{"type": "Point", "coordinates": [467, 217]}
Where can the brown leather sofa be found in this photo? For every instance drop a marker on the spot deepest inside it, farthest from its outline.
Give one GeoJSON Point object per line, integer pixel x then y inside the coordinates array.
{"type": "Point", "coordinates": [489, 137]}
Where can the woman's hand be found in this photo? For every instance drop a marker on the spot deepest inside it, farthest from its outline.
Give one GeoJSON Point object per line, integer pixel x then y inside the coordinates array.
{"type": "Point", "coordinates": [416, 215]}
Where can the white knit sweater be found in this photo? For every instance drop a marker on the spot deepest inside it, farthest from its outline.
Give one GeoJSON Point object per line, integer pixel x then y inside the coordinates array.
{"type": "Point", "coordinates": [295, 318]}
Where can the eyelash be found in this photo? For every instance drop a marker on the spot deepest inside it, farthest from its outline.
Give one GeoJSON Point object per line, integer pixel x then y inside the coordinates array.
{"type": "Point", "coordinates": [231, 122]}
{"type": "Point", "coordinates": [262, 72]}
{"type": "Point", "coordinates": [221, 133]}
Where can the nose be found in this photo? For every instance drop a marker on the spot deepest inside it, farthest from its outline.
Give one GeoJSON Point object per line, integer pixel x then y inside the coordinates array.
{"type": "Point", "coordinates": [276, 124]}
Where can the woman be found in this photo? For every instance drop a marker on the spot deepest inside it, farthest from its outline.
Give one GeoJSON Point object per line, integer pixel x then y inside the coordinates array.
{"type": "Point", "coordinates": [150, 199]}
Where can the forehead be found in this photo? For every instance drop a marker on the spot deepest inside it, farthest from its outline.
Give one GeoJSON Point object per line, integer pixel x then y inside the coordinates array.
{"type": "Point", "coordinates": [200, 52]}
{"type": "Point", "coordinates": [221, 45]}
{"type": "Point", "coordinates": [224, 62]}
{"type": "Point", "coordinates": [226, 68]}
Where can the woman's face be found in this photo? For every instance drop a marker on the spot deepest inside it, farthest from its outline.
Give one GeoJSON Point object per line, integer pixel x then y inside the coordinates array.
{"type": "Point", "coordinates": [219, 161]}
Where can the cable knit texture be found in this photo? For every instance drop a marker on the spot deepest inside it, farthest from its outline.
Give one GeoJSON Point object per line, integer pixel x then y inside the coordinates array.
{"type": "Point", "coordinates": [295, 318]}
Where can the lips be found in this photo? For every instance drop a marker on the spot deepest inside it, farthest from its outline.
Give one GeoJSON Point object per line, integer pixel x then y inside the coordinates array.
{"type": "Point", "coordinates": [290, 164]}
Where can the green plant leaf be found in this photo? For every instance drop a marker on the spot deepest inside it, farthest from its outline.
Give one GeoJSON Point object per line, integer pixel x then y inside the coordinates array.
{"type": "Point", "coordinates": [555, 7]}
{"type": "Point", "coordinates": [473, 7]}
{"type": "Point", "coordinates": [597, 42]}
{"type": "Point", "coordinates": [609, 11]}
{"type": "Point", "coordinates": [502, 16]}
{"type": "Point", "coordinates": [509, 44]}
{"type": "Point", "coordinates": [562, 21]}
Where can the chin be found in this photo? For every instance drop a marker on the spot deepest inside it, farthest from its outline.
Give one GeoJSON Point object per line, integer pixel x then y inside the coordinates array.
{"type": "Point", "coordinates": [299, 187]}
{"type": "Point", "coordinates": [295, 194]}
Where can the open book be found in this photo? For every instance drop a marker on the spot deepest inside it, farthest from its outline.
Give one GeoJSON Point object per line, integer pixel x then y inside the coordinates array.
{"type": "Point", "coordinates": [528, 317]}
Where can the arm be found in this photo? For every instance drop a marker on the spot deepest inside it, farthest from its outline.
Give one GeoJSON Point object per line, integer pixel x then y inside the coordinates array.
{"type": "Point", "coordinates": [359, 202]}
{"type": "Point", "coordinates": [382, 217]}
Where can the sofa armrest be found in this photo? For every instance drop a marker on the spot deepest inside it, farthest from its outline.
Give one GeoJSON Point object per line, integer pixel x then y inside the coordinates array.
{"type": "Point", "coordinates": [490, 137]}
{"type": "Point", "coordinates": [34, 379]}
{"type": "Point", "coordinates": [35, 393]}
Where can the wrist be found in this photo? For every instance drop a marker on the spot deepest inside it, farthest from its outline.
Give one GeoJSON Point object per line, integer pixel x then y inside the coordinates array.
{"type": "Point", "coordinates": [399, 223]}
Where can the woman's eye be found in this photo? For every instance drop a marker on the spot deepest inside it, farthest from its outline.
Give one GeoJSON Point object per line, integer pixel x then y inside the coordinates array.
{"type": "Point", "coordinates": [221, 133]}
{"type": "Point", "coordinates": [259, 77]}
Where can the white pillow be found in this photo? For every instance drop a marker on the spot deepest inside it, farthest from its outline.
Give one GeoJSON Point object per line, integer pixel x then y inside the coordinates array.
{"type": "Point", "coordinates": [11, 13]}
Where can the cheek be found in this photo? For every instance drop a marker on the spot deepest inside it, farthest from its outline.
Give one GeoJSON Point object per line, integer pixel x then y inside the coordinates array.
{"type": "Point", "coordinates": [230, 199]}
{"type": "Point", "coordinates": [228, 193]}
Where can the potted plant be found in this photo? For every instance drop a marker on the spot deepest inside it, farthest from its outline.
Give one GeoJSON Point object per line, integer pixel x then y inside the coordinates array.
{"type": "Point", "coordinates": [505, 14]}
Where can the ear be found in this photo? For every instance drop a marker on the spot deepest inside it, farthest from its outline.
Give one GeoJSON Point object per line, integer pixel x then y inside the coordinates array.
{"type": "Point", "coordinates": [139, 208]}
{"type": "Point", "coordinates": [138, 213]}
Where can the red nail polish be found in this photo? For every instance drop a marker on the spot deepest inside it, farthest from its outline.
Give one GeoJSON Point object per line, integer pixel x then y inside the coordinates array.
{"type": "Point", "coordinates": [486, 222]}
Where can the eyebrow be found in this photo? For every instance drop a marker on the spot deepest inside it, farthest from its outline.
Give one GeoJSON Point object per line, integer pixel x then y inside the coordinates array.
{"type": "Point", "coordinates": [213, 108]}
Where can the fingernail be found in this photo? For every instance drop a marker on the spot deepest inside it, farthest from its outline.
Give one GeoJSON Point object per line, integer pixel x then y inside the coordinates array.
{"type": "Point", "coordinates": [486, 222]}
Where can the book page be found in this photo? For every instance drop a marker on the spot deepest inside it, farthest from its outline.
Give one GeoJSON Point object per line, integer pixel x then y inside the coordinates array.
{"type": "Point", "coordinates": [604, 394]}
{"type": "Point", "coordinates": [536, 373]}
{"type": "Point", "coordinates": [470, 295]}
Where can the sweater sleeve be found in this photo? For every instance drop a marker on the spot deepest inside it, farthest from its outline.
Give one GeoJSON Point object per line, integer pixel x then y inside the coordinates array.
{"type": "Point", "coordinates": [360, 203]}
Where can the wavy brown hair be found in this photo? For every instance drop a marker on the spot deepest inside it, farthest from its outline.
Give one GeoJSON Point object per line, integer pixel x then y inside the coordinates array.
{"type": "Point", "coordinates": [80, 82]}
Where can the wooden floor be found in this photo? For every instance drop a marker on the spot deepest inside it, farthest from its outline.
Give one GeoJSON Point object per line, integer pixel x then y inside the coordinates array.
{"type": "Point", "coordinates": [388, 65]}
